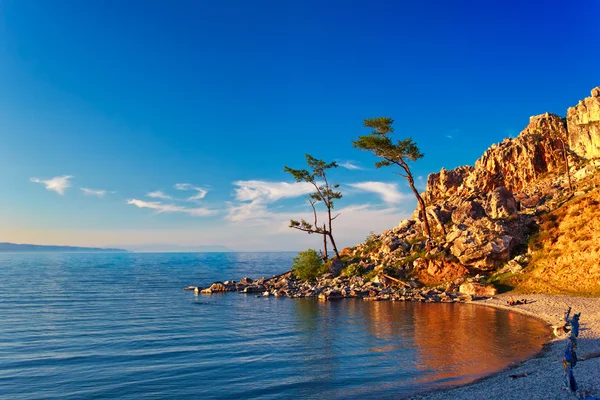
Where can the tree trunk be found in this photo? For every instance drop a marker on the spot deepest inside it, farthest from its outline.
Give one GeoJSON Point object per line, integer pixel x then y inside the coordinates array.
{"type": "Point", "coordinates": [333, 245]}
{"type": "Point", "coordinates": [330, 233]}
{"type": "Point", "coordinates": [422, 211]}
{"type": "Point", "coordinates": [324, 243]}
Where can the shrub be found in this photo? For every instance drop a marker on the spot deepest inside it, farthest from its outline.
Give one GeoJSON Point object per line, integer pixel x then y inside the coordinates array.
{"type": "Point", "coordinates": [354, 270]}
{"type": "Point", "coordinates": [308, 265]}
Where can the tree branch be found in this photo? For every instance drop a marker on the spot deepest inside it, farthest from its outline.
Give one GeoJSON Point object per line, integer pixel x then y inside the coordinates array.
{"type": "Point", "coordinates": [309, 230]}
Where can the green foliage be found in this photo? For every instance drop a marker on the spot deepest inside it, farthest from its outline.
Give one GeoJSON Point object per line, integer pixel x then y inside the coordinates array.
{"type": "Point", "coordinates": [399, 154]}
{"type": "Point", "coordinates": [371, 243]}
{"type": "Point", "coordinates": [417, 239]}
{"type": "Point", "coordinates": [308, 265]}
{"type": "Point", "coordinates": [502, 282]}
{"type": "Point", "coordinates": [371, 275]}
{"type": "Point", "coordinates": [380, 143]}
{"type": "Point", "coordinates": [325, 192]}
{"type": "Point", "coordinates": [413, 256]}
{"type": "Point", "coordinates": [354, 270]}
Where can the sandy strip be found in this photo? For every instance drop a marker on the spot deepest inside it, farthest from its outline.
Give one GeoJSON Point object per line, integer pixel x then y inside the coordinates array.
{"type": "Point", "coordinates": [544, 374]}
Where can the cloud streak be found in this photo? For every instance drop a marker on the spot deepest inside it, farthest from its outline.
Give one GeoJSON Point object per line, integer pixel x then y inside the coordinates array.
{"type": "Point", "coordinates": [58, 184]}
{"type": "Point", "coordinates": [351, 166]}
{"type": "Point", "coordinates": [269, 192]}
{"type": "Point", "coordinates": [157, 194]}
{"type": "Point", "coordinates": [172, 208]}
{"type": "Point", "coordinates": [388, 192]}
{"type": "Point", "coordinates": [94, 192]}
{"type": "Point", "coordinates": [201, 193]}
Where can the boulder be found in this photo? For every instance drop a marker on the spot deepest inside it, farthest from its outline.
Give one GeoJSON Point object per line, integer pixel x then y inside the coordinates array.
{"type": "Point", "coordinates": [218, 287]}
{"type": "Point", "coordinates": [501, 204]}
{"type": "Point", "coordinates": [336, 266]}
{"type": "Point", "coordinates": [330, 295]}
{"type": "Point", "coordinates": [434, 272]}
{"type": "Point", "coordinates": [467, 212]}
{"type": "Point", "coordinates": [477, 289]}
{"type": "Point", "coordinates": [254, 289]}
{"type": "Point", "coordinates": [479, 246]}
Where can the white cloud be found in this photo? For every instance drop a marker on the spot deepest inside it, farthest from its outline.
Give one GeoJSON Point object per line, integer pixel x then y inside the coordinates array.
{"type": "Point", "coordinates": [170, 208]}
{"type": "Point", "coordinates": [183, 186]}
{"type": "Point", "coordinates": [252, 211]}
{"type": "Point", "coordinates": [159, 195]}
{"type": "Point", "coordinates": [351, 166]}
{"type": "Point", "coordinates": [57, 184]}
{"type": "Point", "coordinates": [253, 196]}
{"type": "Point", "coordinates": [268, 192]}
{"type": "Point", "coordinates": [93, 192]}
{"type": "Point", "coordinates": [186, 186]}
{"type": "Point", "coordinates": [387, 191]}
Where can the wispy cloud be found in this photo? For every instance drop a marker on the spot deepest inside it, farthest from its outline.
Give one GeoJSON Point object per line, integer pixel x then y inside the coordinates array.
{"type": "Point", "coordinates": [350, 165]}
{"type": "Point", "coordinates": [201, 193]}
{"type": "Point", "coordinates": [449, 136]}
{"type": "Point", "coordinates": [159, 195]}
{"type": "Point", "coordinates": [252, 211]}
{"type": "Point", "coordinates": [387, 191]}
{"type": "Point", "coordinates": [94, 192]}
{"type": "Point", "coordinates": [253, 196]}
{"type": "Point", "coordinates": [57, 184]}
{"type": "Point", "coordinates": [183, 186]}
{"type": "Point", "coordinates": [172, 208]}
{"type": "Point", "coordinates": [270, 191]}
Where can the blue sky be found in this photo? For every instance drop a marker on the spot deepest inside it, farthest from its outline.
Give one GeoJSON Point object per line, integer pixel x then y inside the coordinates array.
{"type": "Point", "coordinates": [132, 98]}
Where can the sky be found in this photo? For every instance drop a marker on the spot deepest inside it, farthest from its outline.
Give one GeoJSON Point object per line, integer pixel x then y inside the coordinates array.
{"type": "Point", "coordinates": [167, 124]}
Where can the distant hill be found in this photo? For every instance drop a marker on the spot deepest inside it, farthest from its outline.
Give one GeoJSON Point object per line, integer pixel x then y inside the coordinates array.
{"type": "Point", "coordinates": [34, 248]}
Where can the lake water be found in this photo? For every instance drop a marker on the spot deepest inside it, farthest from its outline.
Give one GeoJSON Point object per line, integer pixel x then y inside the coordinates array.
{"type": "Point", "coordinates": [119, 326]}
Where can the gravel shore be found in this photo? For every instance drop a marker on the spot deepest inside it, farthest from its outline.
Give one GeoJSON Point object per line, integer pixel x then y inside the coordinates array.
{"type": "Point", "coordinates": [542, 377]}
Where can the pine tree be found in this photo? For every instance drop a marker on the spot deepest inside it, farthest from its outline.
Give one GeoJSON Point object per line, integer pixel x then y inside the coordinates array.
{"type": "Point", "coordinates": [325, 192]}
{"type": "Point", "coordinates": [379, 142]}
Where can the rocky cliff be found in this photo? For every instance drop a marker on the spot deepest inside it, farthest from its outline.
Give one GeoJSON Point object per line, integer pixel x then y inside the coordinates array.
{"type": "Point", "coordinates": [484, 215]}
{"type": "Point", "coordinates": [583, 123]}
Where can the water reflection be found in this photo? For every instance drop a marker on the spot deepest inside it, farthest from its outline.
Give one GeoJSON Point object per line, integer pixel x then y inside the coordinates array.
{"type": "Point", "coordinates": [410, 345]}
{"type": "Point", "coordinates": [457, 343]}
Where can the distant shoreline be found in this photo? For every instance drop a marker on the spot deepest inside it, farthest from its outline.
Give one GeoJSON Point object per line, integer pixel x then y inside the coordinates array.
{"type": "Point", "coordinates": [6, 247]}
{"type": "Point", "coordinates": [540, 377]}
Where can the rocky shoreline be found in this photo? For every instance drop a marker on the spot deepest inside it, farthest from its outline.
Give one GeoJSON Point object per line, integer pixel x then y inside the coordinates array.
{"type": "Point", "coordinates": [327, 287]}
{"type": "Point", "coordinates": [538, 378]}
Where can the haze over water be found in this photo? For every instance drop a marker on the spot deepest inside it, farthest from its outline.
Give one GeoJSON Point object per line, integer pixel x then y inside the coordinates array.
{"type": "Point", "coordinates": [119, 326]}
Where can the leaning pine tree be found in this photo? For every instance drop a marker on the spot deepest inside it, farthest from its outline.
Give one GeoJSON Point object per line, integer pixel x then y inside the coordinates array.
{"type": "Point", "coordinates": [380, 143]}
{"type": "Point", "coordinates": [324, 192]}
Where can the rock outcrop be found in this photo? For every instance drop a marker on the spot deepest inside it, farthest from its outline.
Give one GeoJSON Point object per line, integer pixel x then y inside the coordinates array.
{"type": "Point", "coordinates": [483, 215]}
{"type": "Point", "coordinates": [328, 288]}
{"type": "Point", "coordinates": [583, 123]}
{"type": "Point", "coordinates": [515, 163]}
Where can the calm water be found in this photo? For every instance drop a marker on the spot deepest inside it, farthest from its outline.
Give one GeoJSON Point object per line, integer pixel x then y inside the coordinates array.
{"type": "Point", "coordinates": [119, 326]}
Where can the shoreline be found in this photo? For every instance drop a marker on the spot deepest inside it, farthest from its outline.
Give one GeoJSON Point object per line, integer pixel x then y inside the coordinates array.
{"type": "Point", "coordinates": [540, 377]}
